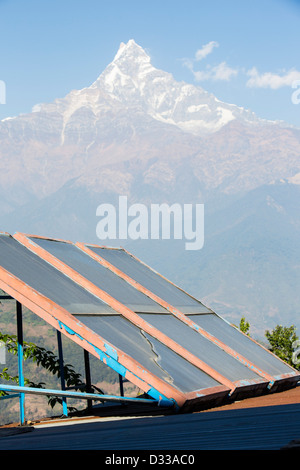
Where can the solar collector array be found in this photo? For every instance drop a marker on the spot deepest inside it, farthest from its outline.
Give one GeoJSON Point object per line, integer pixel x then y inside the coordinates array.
{"type": "Point", "coordinates": [100, 276]}
{"type": "Point", "coordinates": [120, 303]}
{"type": "Point", "coordinates": [153, 355]}
{"type": "Point", "coordinates": [241, 343]}
{"type": "Point", "coordinates": [101, 318]}
{"type": "Point", "coordinates": [150, 279]}
{"type": "Point", "coordinates": [194, 310]}
{"type": "Point", "coordinates": [50, 282]}
{"type": "Point", "coordinates": [191, 340]}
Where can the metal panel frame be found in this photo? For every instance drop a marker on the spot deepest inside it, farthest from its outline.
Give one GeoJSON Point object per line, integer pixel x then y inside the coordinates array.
{"type": "Point", "coordinates": [175, 311]}
{"type": "Point", "coordinates": [127, 366]}
{"type": "Point", "coordinates": [130, 315]}
{"type": "Point", "coordinates": [115, 358]}
{"type": "Point", "coordinates": [89, 395]}
{"type": "Point", "coordinates": [267, 379]}
{"type": "Point", "coordinates": [273, 381]}
{"type": "Point", "coordinates": [63, 321]}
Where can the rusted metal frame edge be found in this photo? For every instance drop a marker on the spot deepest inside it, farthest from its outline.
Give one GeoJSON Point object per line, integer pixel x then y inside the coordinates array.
{"type": "Point", "coordinates": [113, 357]}
{"type": "Point", "coordinates": [63, 321]}
{"type": "Point", "coordinates": [211, 392]}
{"type": "Point", "coordinates": [41, 237]}
{"type": "Point", "coordinates": [122, 309]}
{"type": "Point", "coordinates": [149, 267]}
{"type": "Point", "coordinates": [170, 282]}
{"type": "Point", "coordinates": [165, 279]}
{"type": "Point", "coordinates": [116, 248]}
{"type": "Point", "coordinates": [178, 314]}
{"type": "Point", "coordinates": [130, 369]}
{"type": "Point", "coordinates": [293, 373]}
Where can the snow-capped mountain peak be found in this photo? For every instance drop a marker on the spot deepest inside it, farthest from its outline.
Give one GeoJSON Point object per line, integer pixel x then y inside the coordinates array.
{"type": "Point", "coordinates": [127, 73]}
{"type": "Point", "coordinates": [132, 50]}
{"type": "Point", "coordinates": [132, 80]}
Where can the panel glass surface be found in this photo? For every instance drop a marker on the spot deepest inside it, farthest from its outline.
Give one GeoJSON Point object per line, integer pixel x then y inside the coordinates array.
{"type": "Point", "coordinates": [47, 280]}
{"type": "Point", "coordinates": [241, 344]}
{"type": "Point", "coordinates": [100, 276]}
{"type": "Point", "coordinates": [150, 353]}
{"type": "Point", "coordinates": [201, 347]}
{"type": "Point", "coordinates": [151, 280]}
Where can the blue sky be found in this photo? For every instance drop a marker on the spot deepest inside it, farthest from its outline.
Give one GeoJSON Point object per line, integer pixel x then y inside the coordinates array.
{"type": "Point", "coordinates": [244, 52]}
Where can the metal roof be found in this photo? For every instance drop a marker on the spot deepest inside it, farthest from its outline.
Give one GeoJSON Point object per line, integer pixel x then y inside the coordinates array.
{"type": "Point", "coordinates": [140, 324]}
{"type": "Point", "coordinates": [164, 438]}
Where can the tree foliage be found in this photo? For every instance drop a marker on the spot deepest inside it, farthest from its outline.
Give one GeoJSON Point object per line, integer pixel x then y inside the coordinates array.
{"type": "Point", "coordinates": [281, 340]}
{"type": "Point", "coordinates": [244, 326]}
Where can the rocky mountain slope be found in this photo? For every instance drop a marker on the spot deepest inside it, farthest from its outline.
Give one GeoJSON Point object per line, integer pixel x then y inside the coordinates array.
{"type": "Point", "coordinates": [135, 131]}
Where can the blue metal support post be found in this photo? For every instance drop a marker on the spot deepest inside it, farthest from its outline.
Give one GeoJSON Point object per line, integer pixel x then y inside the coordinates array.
{"type": "Point", "coordinates": [20, 360]}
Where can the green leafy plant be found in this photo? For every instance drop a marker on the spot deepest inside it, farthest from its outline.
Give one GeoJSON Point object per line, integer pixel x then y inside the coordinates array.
{"type": "Point", "coordinates": [244, 326]}
{"type": "Point", "coordinates": [15, 378]}
{"type": "Point", "coordinates": [44, 358]}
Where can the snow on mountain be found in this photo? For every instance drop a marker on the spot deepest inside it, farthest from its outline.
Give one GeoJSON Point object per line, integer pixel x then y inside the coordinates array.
{"type": "Point", "coordinates": [136, 131]}
{"type": "Point", "coordinates": [131, 81]}
{"type": "Point", "coordinates": [135, 112]}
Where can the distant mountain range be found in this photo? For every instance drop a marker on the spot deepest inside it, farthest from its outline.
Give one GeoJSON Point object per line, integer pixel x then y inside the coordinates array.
{"type": "Point", "coordinates": [135, 131]}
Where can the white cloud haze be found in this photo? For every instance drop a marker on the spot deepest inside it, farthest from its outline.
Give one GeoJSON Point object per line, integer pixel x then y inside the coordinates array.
{"type": "Point", "coordinates": [221, 71]}
{"type": "Point", "coordinates": [224, 72]}
{"type": "Point", "coordinates": [271, 80]}
{"type": "Point", "coordinates": [205, 50]}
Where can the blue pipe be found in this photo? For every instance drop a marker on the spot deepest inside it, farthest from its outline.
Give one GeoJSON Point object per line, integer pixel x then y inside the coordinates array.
{"type": "Point", "coordinates": [86, 396]}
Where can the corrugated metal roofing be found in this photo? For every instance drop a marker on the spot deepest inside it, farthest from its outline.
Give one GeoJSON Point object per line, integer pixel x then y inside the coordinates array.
{"type": "Point", "coordinates": [261, 428]}
{"type": "Point", "coordinates": [140, 324]}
